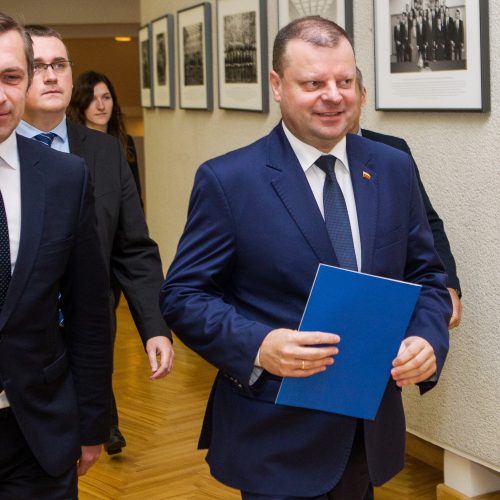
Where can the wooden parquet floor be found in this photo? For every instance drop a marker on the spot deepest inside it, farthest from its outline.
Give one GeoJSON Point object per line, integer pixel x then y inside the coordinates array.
{"type": "Point", "coordinates": [161, 421]}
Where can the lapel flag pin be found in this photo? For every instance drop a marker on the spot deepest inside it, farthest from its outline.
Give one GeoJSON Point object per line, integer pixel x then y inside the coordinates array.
{"type": "Point", "coordinates": [366, 175]}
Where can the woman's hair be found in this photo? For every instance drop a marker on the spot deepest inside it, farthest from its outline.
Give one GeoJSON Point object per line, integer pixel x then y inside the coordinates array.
{"type": "Point", "coordinates": [83, 93]}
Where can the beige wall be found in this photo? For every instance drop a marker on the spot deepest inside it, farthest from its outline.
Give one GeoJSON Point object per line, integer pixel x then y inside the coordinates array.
{"type": "Point", "coordinates": [457, 154]}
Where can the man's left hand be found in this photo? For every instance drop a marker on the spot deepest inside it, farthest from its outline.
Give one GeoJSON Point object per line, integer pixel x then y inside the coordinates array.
{"type": "Point", "coordinates": [456, 316]}
{"type": "Point", "coordinates": [414, 363]}
{"type": "Point", "coordinates": [90, 455]}
{"type": "Point", "coordinates": [161, 347]}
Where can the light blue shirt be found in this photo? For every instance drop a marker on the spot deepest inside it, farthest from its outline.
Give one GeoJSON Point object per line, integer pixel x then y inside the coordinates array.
{"type": "Point", "coordinates": [60, 142]}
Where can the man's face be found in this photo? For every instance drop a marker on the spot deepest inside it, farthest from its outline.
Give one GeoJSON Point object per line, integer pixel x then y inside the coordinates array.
{"type": "Point", "coordinates": [50, 92]}
{"type": "Point", "coordinates": [317, 92]}
{"type": "Point", "coordinates": [13, 82]}
{"type": "Point", "coordinates": [457, 14]}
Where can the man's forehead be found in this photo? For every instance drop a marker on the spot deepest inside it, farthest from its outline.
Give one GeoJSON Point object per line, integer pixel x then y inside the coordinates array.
{"type": "Point", "coordinates": [49, 46]}
{"type": "Point", "coordinates": [12, 56]}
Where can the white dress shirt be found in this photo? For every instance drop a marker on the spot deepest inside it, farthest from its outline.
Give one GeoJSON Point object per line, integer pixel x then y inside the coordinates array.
{"type": "Point", "coordinates": [10, 185]}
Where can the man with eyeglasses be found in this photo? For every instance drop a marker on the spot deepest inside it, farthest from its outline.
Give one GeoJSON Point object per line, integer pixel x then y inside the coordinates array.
{"type": "Point", "coordinates": [132, 257]}
{"type": "Point", "coordinates": [54, 386]}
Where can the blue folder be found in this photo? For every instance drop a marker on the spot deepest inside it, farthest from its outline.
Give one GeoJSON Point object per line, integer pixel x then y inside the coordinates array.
{"type": "Point", "coordinates": [371, 315]}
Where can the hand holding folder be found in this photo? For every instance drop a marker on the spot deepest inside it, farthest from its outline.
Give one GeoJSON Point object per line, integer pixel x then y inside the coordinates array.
{"type": "Point", "coordinates": [371, 315]}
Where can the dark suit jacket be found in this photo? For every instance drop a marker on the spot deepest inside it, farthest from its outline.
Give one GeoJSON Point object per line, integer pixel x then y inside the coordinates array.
{"type": "Point", "coordinates": [132, 257]}
{"type": "Point", "coordinates": [441, 242]}
{"type": "Point", "coordinates": [58, 384]}
{"type": "Point", "coordinates": [244, 266]}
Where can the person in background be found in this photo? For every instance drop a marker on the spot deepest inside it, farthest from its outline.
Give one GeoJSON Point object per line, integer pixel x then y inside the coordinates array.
{"type": "Point", "coordinates": [132, 257]}
{"type": "Point", "coordinates": [95, 105]}
{"type": "Point", "coordinates": [441, 242]}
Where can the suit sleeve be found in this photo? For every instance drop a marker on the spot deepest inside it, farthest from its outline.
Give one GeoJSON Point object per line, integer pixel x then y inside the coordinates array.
{"type": "Point", "coordinates": [441, 242]}
{"type": "Point", "coordinates": [135, 259]}
{"type": "Point", "coordinates": [87, 331]}
{"type": "Point", "coordinates": [194, 295]}
{"type": "Point", "coordinates": [423, 266]}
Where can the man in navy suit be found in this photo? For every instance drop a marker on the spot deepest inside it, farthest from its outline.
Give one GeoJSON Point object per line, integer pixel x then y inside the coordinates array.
{"type": "Point", "coordinates": [239, 282]}
{"type": "Point", "coordinates": [54, 386]}
{"type": "Point", "coordinates": [441, 242]}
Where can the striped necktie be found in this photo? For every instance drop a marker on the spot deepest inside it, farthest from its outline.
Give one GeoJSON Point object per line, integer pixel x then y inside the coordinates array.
{"type": "Point", "coordinates": [45, 138]}
{"type": "Point", "coordinates": [336, 215]}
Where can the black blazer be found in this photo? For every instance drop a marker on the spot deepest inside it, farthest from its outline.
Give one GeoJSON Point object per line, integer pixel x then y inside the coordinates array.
{"type": "Point", "coordinates": [131, 256]}
{"type": "Point", "coordinates": [441, 242]}
{"type": "Point", "coordinates": [58, 385]}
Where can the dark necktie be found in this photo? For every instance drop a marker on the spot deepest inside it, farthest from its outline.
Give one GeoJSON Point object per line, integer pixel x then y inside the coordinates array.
{"type": "Point", "coordinates": [5, 265]}
{"type": "Point", "coordinates": [45, 138]}
{"type": "Point", "coordinates": [336, 215]}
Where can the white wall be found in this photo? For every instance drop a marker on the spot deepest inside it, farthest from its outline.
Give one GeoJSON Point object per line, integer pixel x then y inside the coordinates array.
{"type": "Point", "coordinates": [457, 157]}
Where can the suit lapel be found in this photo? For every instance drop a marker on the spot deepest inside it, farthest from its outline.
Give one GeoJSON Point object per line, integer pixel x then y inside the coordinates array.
{"type": "Point", "coordinates": [32, 210]}
{"type": "Point", "coordinates": [290, 184]}
{"type": "Point", "coordinates": [365, 187]}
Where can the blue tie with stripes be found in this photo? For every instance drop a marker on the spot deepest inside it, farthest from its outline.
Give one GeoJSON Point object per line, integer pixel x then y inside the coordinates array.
{"type": "Point", "coordinates": [336, 215]}
{"type": "Point", "coordinates": [45, 138]}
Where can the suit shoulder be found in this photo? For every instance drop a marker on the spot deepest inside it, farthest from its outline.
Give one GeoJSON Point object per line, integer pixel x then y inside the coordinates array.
{"type": "Point", "coordinates": [239, 159]}
{"type": "Point", "coordinates": [93, 137]}
{"type": "Point", "coordinates": [31, 150]}
{"type": "Point", "coordinates": [390, 140]}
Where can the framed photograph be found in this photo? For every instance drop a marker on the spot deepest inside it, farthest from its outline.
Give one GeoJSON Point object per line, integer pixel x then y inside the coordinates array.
{"type": "Point", "coordinates": [432, 55]}
{"type": "Point", "coordinates": [195, 57]}
{"type": "Point", "coordinates": [162, 37]}
{"type": "Point", "coordinates": [339, 11]}
{"type": "Point", "coordinates": [145, 66]}
{"type": "Point", "coordinates": [242, 54]}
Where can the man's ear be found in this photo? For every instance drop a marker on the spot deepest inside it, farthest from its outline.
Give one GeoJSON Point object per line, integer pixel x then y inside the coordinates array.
{"type": "Point", "coordinates": [363, 96]}
{"type": "Point", "coordinates": [275, 81]}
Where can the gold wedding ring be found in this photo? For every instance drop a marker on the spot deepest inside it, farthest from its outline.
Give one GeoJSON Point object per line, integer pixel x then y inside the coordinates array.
{"type": "Point", "coordinates": [303, 365]}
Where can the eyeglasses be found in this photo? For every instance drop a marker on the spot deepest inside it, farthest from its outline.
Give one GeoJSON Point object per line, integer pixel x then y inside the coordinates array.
{"type": "Point", "coordinates": [57, 66]}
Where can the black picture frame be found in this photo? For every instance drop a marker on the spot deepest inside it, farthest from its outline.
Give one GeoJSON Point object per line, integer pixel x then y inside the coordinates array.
{"type": "Point", "coordinates": [448, 70]}
{"type": "Point", "coordinates": [145, 70]}
{"type": "Point", "coordinates": [163, 61]}
{"type": "Point", "coordinates": [194, 36]}
{"type": "Point", "coordinates": [339, 11]}
{"type": "Point", "coordinates": [242, 55]}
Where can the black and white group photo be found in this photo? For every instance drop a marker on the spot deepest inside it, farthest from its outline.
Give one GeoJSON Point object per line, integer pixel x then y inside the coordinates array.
{"type": "Point", "coordinates": [193, 54]}
{"type": "Point", "coordinates": [428, 35]}
{"type": "Point", "coordinates": [240, 49]}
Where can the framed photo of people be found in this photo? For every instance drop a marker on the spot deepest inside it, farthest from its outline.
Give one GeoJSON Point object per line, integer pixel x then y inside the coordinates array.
{"type": "Point", "coordinates": [145, 66]}
{"type": "Point", "coordinates": [339, 11]}
{"type": "Point", "coordinates": [242, 54]}
{"type": "Point", "coordinates": [162, 37]}
{"type": "Point", "coordinates": [432, 55]}
{"type": "Point", "coordinates": [195, 57]}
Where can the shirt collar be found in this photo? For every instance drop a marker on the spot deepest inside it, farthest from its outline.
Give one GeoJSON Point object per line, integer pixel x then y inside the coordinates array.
{"type": "Point", "coordinates": [307, 154]}
{"type": "Point", "coordinates": [27, 130]}
{"type": "Point", "coordinates": [9, 153]}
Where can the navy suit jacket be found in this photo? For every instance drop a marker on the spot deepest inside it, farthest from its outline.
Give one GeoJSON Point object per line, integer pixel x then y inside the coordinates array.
{"type": "Point", "coordinates": [58, 384]}
{"type": "Point", "coordinates": [132, 257]}
{"type": "Point", "coordinates": [244, 266]}
{"type": "Point", "coordinates": [441, 242]}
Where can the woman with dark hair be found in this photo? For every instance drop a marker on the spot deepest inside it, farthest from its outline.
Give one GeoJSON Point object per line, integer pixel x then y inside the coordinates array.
{"type": "Point", "coordinates": [94, 104]}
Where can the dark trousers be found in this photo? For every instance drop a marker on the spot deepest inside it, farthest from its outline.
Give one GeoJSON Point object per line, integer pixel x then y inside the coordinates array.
{"type": "Point", "coordinates": [353, 485]}
{"type": "Point", "coordinates": [21, 477]}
